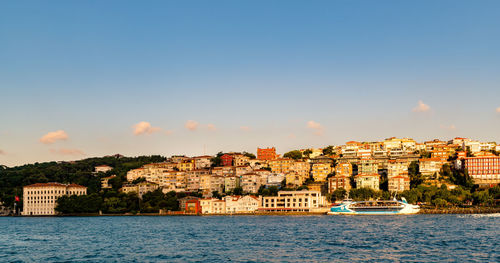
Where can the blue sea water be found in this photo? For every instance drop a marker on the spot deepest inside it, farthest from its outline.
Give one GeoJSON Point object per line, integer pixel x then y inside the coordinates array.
{"type": "Point", "coordinates": [416, 238]}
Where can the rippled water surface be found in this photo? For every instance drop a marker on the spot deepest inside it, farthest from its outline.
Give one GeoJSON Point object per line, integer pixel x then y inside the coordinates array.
{"type": "Point", "coordinates": [421, 238]}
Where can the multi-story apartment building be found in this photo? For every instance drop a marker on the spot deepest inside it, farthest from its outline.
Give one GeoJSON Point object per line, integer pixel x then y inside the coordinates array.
{"type": "Point", "coordinates": [293, 201]}
{"type": "Point", "coordinates": [240, 160]}
{"type": "Point", "coordinates": [339, 181]}
{"type": "Point", "coordinates": [251, 182]}
{"type": "Point", "coordinates": [266, 153]}
{"type": "Point", "coordinates": [202, 162]}
{"type": "Point", "coordinates": [241, 170]}
{"type": "Point", "coordinates": [224, 171]}
{"type": "Point", "coordinates": [295, 179]}
{"type": "Point", "coordinates": [281, 165]}
{"type": "Point", "coordinates": [227, 160]}
{"type": "Point", "coordinates": [483, 170]}
{"type": "Point", "coordinates": [368, 180]}
{"type": "Point", "coordinates": [399, 183]}
{"type": "Point", "coordinates": [216, 183]}
{"type": "Point", "coordinates": [193, 178]}
{"type": "Point", "coordinates": [343, 168]}
{"type": "Point", "coordinates": [186, 165]}
{"type": "Point", "coordinates": [274, 179]}
{"type": "Point", "coordinates": [105, 182]}
{"type": "Point", "coordinates": [368, 166]}
{"type": "Point", "coordinates": [430, 166]}
{"type": "Point", "coordinates": [320, 171]}
{"type": "Point", "coordinates": [41, 198]}
{"type": "Point", "coordinates": [242, 204]}
{"type": "Point", "coordinates": [231, 182]}
{"type": "Point", "coordinates": [140, 189]}
{"type": "Point", "coordinates": [397, 167]}
{"type": "Point", "coordinates": [300, 168]}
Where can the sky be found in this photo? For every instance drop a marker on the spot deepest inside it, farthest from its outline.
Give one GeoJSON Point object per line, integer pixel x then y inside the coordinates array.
{"type": "Point", "coordinates": [81, 79]}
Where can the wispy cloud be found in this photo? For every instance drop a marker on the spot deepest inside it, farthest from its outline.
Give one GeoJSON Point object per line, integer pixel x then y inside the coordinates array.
{"type": "Point", "coordinates": [2, 152]}
{"type": "Point", "coordinates": [63, 151]}
{"type": "Point", "coordinates": [144, 127]}
{"type": "Point", "coordinates": [448, 127]}
{"type": "Point", "coordinates": [169, 132]}
{"type": "Point", "coordinates": [191, 125]}
{"type": "Point", "coordinates": [498, 110]}
{"type": "Point", "coordinates": [52, 137]}
{"type": "Point", "coordinates": [421, 107]}
{"type": "Point", "coordinates": [316, 127]}
{"type": "Point", "coordinates": [211, 127]}
{"type": "Point", "coordinates": [245, 128]}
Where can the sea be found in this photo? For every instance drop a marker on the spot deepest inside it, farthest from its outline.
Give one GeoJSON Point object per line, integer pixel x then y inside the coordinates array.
{"type": "Point", "coordinates": [411, 238]}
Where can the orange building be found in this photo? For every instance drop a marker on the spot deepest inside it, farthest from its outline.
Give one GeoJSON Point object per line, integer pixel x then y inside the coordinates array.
{"type": "Point", "coordinates": [266, 153]}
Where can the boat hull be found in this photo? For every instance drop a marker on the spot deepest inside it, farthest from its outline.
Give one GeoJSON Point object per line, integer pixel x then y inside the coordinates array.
{"type": "Point", "coordinates": [357, 208]}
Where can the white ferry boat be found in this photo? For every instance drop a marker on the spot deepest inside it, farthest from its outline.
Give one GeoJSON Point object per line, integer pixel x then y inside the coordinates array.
{"type": "Point", "coordinates": [384, 207]}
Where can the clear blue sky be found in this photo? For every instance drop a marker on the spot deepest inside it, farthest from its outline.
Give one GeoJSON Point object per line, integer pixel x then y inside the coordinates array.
{"type": "Point", "coordinates": [258, 71]}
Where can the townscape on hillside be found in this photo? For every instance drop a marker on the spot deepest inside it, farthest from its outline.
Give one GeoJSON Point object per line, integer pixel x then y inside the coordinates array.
{"type": "Point", "coordinates": [460, 171]}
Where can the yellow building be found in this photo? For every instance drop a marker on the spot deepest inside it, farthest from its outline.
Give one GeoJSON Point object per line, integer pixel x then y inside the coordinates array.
{"type": "Point", "coordinates": [40, 199]}
{"type": "Point", "coordinates": [187, 165]}
{"type": "Point", "coordinates": [320, 171]}
{"type": "Point", "coordinates": [343, 169]}
{"type": "Point", "coordinates": [281, 165]}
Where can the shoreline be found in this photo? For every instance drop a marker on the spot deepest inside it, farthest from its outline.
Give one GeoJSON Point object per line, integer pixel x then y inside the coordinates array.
{"type": "Point", "coordinates": [428, 211]}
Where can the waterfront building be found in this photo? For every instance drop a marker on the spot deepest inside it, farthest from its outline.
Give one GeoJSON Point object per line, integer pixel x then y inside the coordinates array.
{"type": "Point", "coordinates": [483, 170]}
{"type": "Point", "coordinates": [183, 201]}
{"type": "Point", "coordinates": [368, 180]}
{"type": "Point", "coordinates": [266, 153]}
{"type": "Point", "coordinates": [399, 183]}
{"type": "Point", "coordinates": [40, 198]}
{"type": "Point", "coordinates": [242, 204]}
{"type": "Point", "coordinates": [320, 171]}
{"type": "Point", "coordinates": [212, 206]}
{"type": "Point", "coordinates": [299, 201]}
{"type": "Point", "coordinates": [193, 206]}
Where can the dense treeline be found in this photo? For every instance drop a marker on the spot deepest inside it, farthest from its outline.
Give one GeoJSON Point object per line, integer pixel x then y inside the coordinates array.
{"type": "Point", "coordinates": [79, 172]}
{"type": "Point", "coordinates": [112, 202]}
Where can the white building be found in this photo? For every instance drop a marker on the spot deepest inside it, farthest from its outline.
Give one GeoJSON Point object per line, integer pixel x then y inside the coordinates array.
{"type": "Point", "coordinates": [242, 204]}
{"type": "Point", "coordinates": [298, 201]}
{"type": "Point", "coordinates": [212, 206]}
{"type": "Point", "coordinates": [40, 199]}
{"type": "Point", "coordinates": [102, 168]}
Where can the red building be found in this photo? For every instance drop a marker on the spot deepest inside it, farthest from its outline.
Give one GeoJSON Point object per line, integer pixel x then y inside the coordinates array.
{"type": "Point", "coordinates": [227, 160]}
{"type": "Point", "coordinates": [193, 206]}
{"type": "Point", "coordinates": [484, 170]}
{"type": "Point", "coordinates": [266, 153]}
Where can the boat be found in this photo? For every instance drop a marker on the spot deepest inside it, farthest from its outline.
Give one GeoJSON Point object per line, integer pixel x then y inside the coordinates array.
{"type": "Point", "coordinates": [378, 207]}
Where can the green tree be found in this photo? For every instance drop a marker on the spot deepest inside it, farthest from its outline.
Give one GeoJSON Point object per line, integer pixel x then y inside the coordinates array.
{"type": "Point", "coordinates": [328, 150]}
{"type": "Point", "coordinates": [295, 154]}
{"type": "Point", "coordinates": [339, 194]}
{"type": "Point", "coordinates": [249, 155]}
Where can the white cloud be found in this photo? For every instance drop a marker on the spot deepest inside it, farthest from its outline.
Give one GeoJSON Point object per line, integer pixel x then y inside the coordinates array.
{"type": "Point", "coordinates": [448, 127]}
{"type": "Point", "coordinates": [244, 128]}
{"type": "Point", "coordinates": [144, 127]}
{"type": "Point", "coordinates": [63, 151]}
{"type": "Point", "coordinates": [191, 125]}
{"type": "Point", "coordinates": [498, 110]}
{"type": "Point", "coordinates": [211, 127]}
{"type": "Point", "coordinates": [421, 107]}
{"type": "Point", "coordinates": [2, 152]}
{"type": "Point", "coordinates": [52, 137]}
{"type": "Point", "coordinates": [317, 127]}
